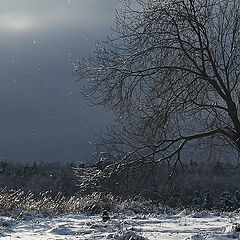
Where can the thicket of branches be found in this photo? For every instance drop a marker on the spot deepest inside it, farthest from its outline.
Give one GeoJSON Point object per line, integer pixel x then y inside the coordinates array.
{"type": "Point", "coordinates": [170, 72]}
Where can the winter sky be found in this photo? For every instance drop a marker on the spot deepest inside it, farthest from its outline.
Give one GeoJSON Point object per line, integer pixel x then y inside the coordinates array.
{"type": "Point", "coordinates": [42, 115]}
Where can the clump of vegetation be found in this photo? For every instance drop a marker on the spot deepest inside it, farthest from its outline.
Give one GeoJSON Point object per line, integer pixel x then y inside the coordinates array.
{"type": "Point", "coordinates": [97, 202]}
{"type": "Point", "coordinates": [16, 202]}
{"type": "Point", "coordinates": [12, 201]}
{"type": "Point", "coordinates": [44, 203]}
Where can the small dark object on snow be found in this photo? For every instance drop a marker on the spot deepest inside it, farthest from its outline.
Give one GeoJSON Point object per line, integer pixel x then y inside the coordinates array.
{"type": "Point", "coordinates": [105, 216]}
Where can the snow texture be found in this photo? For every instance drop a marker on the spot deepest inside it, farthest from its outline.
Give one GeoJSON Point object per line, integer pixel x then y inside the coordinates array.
{"type": "Point", "coordinates": [183, 225]}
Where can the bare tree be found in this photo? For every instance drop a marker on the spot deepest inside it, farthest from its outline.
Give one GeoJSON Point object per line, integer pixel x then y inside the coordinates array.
{"type": "Point", "coordinates": [170, 71]}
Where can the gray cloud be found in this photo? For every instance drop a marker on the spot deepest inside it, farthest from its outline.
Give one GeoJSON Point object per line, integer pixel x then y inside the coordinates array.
{"type": "Point", "coordinates": [42, 116]}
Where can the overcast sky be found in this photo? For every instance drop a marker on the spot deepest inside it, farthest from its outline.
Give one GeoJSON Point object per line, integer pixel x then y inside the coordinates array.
{"type": "Point", "coordinates": [42, 115]}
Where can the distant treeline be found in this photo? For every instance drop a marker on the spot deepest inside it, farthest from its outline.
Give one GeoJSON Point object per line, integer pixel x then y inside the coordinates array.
{"type": "Point", "coordinates": [204, 177]}
{"type": "Point", "coordinates": [39, 177]}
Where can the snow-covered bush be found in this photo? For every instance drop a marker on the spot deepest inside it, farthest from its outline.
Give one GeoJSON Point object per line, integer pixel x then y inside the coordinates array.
{"type": "Point", "coordinates": [227, 202]}
{"type": "Point", "coordinates": [175, 199]}
{"type": "Point", "coordinates": [197, 200]}
{"type": "Point", "coordinates": [97, 202]}
{"type": "Point", "coordinates": [207, 201]}
{"type": "Point", "coordinates": [237, 197]}
{"type": "Point", "coordinates": [140, 205]}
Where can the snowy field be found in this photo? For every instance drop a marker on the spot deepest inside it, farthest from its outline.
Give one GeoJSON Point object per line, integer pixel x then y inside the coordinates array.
{"type": "Point", "coordinates": [182, 225]}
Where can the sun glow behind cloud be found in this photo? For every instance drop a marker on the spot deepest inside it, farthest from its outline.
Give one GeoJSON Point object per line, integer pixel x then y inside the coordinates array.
{"type": "Point", "coordinates": [16, 23]}
{"type": "Point", "coordinates": [43, 16]}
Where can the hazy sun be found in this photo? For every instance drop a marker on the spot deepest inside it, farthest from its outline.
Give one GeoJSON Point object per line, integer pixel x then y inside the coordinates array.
{"type": "Point", "coordinates": [16, 22]}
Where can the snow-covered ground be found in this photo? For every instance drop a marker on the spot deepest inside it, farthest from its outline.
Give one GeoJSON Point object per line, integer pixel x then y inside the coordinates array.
{"type": "Point", "coordinates": [182, 225]}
